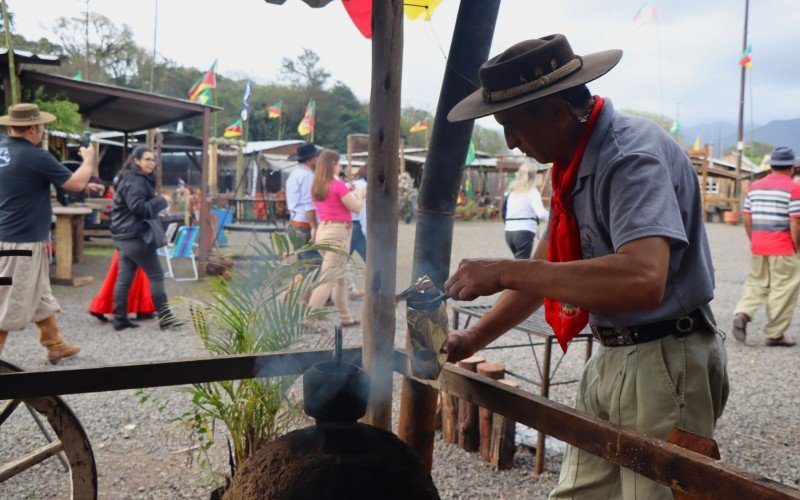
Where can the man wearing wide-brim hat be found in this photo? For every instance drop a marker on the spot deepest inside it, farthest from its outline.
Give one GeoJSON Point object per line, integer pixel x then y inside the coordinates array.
{"type": "Point", "coordinates": [625, 252]}
{"type": "Point", "coordinates": [26, 173]}
{"type": "Point", "coordinates": [772, 221]}
{"type": "Point", "coordinates": [302, 212]}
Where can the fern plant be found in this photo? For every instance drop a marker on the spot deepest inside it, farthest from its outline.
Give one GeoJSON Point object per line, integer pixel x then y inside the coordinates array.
{"type": "Point", "coordinates": [259, 309]}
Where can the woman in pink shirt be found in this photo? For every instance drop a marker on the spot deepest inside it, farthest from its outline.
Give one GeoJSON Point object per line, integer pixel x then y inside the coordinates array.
{"type": "Point", "coordinates": [335, 203]}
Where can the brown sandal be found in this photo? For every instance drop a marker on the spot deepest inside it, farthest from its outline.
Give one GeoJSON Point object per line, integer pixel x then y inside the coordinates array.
{"type": "Point", "coordinates": [355, 322]}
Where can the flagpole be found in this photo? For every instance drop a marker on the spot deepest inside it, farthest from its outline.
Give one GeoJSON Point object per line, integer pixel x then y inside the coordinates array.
{"type": "Point", "coordinates": [660, 72]}
{"type": "Point", "coordinates": [280, 124]}
{"type": "Point", "coordinates": [740, 133]}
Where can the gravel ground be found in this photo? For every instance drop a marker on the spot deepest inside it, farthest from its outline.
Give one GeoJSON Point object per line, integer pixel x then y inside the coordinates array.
{"type": "Point", "coordinates": [140, 454]}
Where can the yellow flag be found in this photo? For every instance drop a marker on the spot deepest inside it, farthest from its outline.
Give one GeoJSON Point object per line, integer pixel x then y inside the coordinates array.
{"type": "Point", "coordinates": [697, 143]}
{"type": "Point", "coordinates": [420, 7]}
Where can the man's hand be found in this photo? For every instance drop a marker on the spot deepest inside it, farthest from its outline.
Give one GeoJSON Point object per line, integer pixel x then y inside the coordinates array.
{"type": "Point", "coordinates": [475, 278]}
{"type": "Point", "coordinates": [313, 237]}
{"type": "Point", "coordinates": [460, 344]}
{"type": "Point", "coordinates": [87, 154]}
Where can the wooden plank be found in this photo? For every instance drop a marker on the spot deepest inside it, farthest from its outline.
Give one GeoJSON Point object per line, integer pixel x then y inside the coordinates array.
{"type": "Point", "coordinates": [11, 469]}
{"type": "Point", "coordinates": [64, 247]}
{"type": "Point", "coordinates": [666, 463]}
{"type": "Point", "coordinates": [8, 409]}
{"type": "Point", "coordinates": [31, 384]}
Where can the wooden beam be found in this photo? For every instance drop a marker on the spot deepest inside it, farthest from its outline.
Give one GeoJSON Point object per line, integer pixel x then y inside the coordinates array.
{"type": "Point", "coordinates": [23, 385]}
{"type": "Point", "coordinates": [382, 180]}
{"type": "Point", "coordinates": [683, 470]}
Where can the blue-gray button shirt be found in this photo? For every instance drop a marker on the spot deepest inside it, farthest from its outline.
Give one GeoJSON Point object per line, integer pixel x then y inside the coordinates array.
{"type": "Point", "coordinates": [635, 182]}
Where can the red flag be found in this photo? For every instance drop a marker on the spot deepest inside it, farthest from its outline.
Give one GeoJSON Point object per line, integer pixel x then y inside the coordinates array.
{"type": "Point", "coordinates": [360, 12]}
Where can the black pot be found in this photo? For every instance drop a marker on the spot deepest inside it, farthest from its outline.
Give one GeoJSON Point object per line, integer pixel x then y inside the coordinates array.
{"type": "Point", "coordinates": [335, 392]}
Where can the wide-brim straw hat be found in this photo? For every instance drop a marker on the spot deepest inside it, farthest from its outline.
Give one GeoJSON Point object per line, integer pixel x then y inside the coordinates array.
{"type": "Point", "coordinates": [23, 115]}
{"type": "Point", "coordinates": [531, 70]}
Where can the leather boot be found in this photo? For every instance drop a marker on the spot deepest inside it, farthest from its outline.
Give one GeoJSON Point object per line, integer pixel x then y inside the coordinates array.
{"type": "Point", "coordinates": [165, 317]}
{"type": "Point", "coordinates": [3, 336]}
{"type": "Point", "coordinates": [50, 337]}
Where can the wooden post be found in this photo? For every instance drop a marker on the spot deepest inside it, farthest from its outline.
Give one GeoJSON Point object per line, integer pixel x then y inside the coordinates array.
{"type": "Point", "coordinates": [444, 163]}
{"type": "Point", "coordinates": [384, 136]}
{"type": "Point", "coordinates": [704, 183]}
{"type": "Point", "coordinates": [241, 187]}
{"type": "Point", "coordinates": [349, 156]}
{"type": "Point", "coordinates": [449, 418]}
{"type": "Point", "coordinates": [468, 437]}
{"type": "Point", "coordinates": [158, 144]}
{"type": "Point", "coordinates": [494, 371]}
{"type": "Point", "coordinates": [213, 172]}
{"type": "Point", "coordinates": [206, 232]}
{"type": "Point", "coordinates": [503, 445]}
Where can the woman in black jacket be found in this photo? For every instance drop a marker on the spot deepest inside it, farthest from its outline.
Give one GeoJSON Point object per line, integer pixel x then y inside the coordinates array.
{"type": "Point", "coordinates": [134, 201]}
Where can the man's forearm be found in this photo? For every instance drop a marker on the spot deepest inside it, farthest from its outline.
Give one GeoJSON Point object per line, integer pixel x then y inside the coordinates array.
{"type": "Point", "coordinates": [511, 309]}
{"type": "Point", "coordinates": [795, 230]}
{"type": "Point", "coordinates": [311, 215]}
{"type": "Point", "coordinates": [80, 178]}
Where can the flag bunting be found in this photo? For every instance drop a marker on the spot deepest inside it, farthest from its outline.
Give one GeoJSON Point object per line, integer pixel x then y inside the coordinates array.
{"type": "Point", "coordinates": [275, 110]}
{"type": "Point", "coordinates": [307, 123]}
{"type": "Point", "coordinates": [419, 127]}
{"type": "Point", "coordinates": [206, 82]}
{"type": "Point", "coordinates": [746, 61]}
{"type": "Point", "coordinates": [234, 129]}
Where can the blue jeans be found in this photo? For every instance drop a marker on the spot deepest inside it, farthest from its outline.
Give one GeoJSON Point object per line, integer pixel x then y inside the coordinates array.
{"type": "Point", "coordinates": [358, 242]}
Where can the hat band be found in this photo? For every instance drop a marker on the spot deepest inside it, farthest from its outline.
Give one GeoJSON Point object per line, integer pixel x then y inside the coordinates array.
{"type": "Point", "coordinates": [541, 82]}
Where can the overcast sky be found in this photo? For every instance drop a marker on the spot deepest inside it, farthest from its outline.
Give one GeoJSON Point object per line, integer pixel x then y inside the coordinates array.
{"type": "Point", "coordinates": [689, 55]}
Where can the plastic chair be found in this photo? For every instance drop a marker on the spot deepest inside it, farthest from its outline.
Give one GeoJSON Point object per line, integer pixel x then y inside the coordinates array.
{"type": "Point", "coordinates": [172, 227]}
{"type": "Point", "coordinates": [182, 248]}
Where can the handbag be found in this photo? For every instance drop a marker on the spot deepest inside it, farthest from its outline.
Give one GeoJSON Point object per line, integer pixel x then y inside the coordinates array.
{"type": "Point", "coordinates": [154, 236]}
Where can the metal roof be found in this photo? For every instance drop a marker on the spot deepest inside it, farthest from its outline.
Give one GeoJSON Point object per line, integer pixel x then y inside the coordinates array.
{"type": "Point", "coordinates": [25, 57]}
{"type": "Point", "coordinates": [116, 108]}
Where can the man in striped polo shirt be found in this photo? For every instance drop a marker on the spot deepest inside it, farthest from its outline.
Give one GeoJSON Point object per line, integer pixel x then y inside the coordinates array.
{"type": "Point", "coordinates": [772, 221]}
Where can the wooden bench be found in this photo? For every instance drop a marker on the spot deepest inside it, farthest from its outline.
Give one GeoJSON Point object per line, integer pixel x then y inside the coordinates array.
{"type": "Point", "coordinates": [538, 327]}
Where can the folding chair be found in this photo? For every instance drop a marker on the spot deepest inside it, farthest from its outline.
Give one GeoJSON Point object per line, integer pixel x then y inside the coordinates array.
{"type": "Point", "coordinates": [182, 248]}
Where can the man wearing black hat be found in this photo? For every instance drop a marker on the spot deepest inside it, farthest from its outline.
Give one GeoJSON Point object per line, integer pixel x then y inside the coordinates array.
{"type": "Point", "coordinates": [298, 194]}
{"type": "Point", "coordinates": [625, 250]}
{"type": "Point", "coordinates": [26, 173]}
{"type": "Point", "coordinates": [772, 221]}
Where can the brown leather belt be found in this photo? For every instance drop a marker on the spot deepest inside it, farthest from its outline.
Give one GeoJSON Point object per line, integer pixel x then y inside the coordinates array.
{"type": "Point", "coordinates": [297, 223]}
{"type": "Point", "coordinates": [609, 336]}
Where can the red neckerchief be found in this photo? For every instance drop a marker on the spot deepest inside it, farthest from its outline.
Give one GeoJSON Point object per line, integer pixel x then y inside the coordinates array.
{"type": "Point", "coordinates": [564, 243]}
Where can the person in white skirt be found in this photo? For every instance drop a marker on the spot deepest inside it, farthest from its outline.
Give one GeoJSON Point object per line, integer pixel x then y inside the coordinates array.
{"type": "Point", "coordinates": [523, 212]}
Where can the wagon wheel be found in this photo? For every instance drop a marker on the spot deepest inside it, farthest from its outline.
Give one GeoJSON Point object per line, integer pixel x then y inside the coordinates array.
{"type": "Point", "coordinates": [70, 439]}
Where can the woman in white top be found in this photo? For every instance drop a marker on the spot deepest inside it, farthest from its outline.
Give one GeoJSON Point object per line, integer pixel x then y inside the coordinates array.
{"type": "Point", "coordinates": [524, 210]}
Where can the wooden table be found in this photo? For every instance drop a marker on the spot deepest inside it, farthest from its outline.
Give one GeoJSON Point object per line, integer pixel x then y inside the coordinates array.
{"type": "Point", "coordinates": [536, 326]}
{"type": "Point", "coordinates": [69, 245]}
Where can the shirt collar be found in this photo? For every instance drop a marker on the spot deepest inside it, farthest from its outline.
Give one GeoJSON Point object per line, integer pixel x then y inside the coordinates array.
{"type": "Point", "coordinates": [589, 162]}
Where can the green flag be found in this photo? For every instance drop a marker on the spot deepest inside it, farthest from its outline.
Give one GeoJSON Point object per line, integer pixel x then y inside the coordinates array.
{"type": "Point", "coordinates": [675, 128]}
{"type": "Point", "coordinates": [78, 76]}
{"type": "Point", "coordinates": [470, 154]}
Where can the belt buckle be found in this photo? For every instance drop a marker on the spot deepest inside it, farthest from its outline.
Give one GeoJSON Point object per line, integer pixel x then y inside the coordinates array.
{"type": "Point", "coordinates": [613, 336]}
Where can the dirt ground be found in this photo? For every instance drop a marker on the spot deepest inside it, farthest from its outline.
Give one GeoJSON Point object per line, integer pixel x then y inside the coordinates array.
{"type": "Point", "coordinates": [141, 454]}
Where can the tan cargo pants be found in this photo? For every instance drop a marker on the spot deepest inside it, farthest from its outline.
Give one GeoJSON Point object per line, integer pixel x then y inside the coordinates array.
{"type": "Point", "coordinates": [649, 388]}
{"type": "Point", "coordinates": [776, 280]}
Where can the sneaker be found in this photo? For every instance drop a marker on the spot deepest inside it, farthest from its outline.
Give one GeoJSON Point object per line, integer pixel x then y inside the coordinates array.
{"type": "Point", "coordinates": [740, 321]}
{"type": "Point", "coordinates": [356, 295]}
